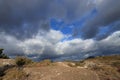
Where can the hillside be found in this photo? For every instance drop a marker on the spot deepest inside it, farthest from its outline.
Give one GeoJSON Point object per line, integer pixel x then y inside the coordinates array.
{"type": "Point", "coordinates": [107, 67]}
{"type": "Point", "coordinates": [98, 68]}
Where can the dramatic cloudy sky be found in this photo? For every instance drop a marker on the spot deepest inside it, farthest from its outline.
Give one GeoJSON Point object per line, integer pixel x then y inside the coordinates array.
{"type": "Point", "coordinates": [60, 29]}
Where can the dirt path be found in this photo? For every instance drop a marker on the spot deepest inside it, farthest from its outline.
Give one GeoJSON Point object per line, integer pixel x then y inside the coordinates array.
{"type": "Point", "coordinates": [60, 73]}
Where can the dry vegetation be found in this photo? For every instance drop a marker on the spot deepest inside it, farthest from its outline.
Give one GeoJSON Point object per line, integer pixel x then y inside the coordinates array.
{"type": "Point", "coordinates": [13, 69]}
{"type": "Point", "coordinates": [22, 61]}
{"type": "Point", "coordinates": [15, 74]}
{"type": "Point", "coordinates": [106, 67]}
{"type": "Point", "coordinates": [43, 63]}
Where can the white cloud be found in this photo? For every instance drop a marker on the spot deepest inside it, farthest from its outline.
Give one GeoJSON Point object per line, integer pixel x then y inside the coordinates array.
{"type": "Point", "coordinates": [109, 45]}
{"type": "Point", "coordinates": [111, 41]}
{"type": "Point", "coordinates": [10, 44]}
{"type": "Point", "coordinates": [75, 46]}
{"type": "Point", "coordinates": [50, 45]}
{"type": "Point", "coordinates": [38, 43]}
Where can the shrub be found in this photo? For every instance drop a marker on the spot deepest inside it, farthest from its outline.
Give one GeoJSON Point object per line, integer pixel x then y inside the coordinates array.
{"type": "Point", "coordinates": [2, 55]}
{"type": "Point", "coordinates": [80, 63]}
{"type": "Point", "coordinates": [90, 57]}
{"type": "Point", "coordinates": [20, 61]}
{"type": "Point", "coordinates": [2, 72]}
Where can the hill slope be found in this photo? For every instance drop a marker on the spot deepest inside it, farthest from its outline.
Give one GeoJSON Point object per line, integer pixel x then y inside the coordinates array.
{"type": "Point", "coordinates": [99, 68]}
{"type": "Point", "coordinates": [107, 67]}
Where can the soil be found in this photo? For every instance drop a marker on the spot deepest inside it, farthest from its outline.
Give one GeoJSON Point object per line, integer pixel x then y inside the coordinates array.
{"type": "Point", "coordinates": [60, 71]}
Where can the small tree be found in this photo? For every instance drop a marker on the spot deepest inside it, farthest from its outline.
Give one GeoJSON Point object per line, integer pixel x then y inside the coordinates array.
{"type": "Point", "coordinates": [2, 55]}
{"type": "Point", "coordinates": [1, 51]}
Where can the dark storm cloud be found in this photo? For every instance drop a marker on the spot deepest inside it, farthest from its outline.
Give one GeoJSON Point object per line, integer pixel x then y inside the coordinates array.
{"type": "Point", "coordinates": [15, 12]}
{"type": "Point", "coordinates": [74, 9]}
{"type": "Point", "coordinates": [108, 30]}
{"type": "Point", "coordinates": [108, 12]}
{"type": "Point", "coordinates": [23, 18]}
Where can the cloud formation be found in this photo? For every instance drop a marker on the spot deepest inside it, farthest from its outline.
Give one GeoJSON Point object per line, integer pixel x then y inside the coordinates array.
{"type": "Point", "coordinates": [30, 16]}
{"type": "Point", "coordinates": [108, 13]}
{"type": "Point", "coordinates": [25, 28]}
{"type": "Point", "coordinates": [23, 18]}
{"type": "Point", "coordinates": [41, 47]}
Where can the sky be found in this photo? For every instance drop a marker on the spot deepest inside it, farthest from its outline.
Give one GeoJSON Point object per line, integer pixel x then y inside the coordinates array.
{"type": "Point", "coordinates": [60, 29]}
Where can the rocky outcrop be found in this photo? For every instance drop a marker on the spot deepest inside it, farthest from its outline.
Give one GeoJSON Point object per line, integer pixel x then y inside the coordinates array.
{"type": "Point", "coordinates": [4, 62]}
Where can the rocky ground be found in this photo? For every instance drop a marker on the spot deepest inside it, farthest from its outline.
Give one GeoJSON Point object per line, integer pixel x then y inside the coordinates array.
{"type": "Point", "coordinates": [99, 68]}
{"type": "Point", "coordinates": [60, 72]}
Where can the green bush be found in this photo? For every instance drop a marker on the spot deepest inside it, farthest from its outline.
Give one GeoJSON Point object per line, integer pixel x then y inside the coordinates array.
{"type": "Point", "coordinates": [2, 55]}
{"type": "Point", "coordinates": [20, 61]}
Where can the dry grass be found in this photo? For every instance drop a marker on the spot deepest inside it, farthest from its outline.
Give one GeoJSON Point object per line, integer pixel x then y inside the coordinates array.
{"type": "Point", "coordinates": [43, 63]}
{"type": "Point", "coordinates": [15, 74]}
{"type": "Point", "coordinates": [108, 67]}
{"type": "Point", "coordinates": [115, 64]}
{"type": "Point", "coordinates": [108, 73]}
{"type": "Point", "coordinates": [9, 70]}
